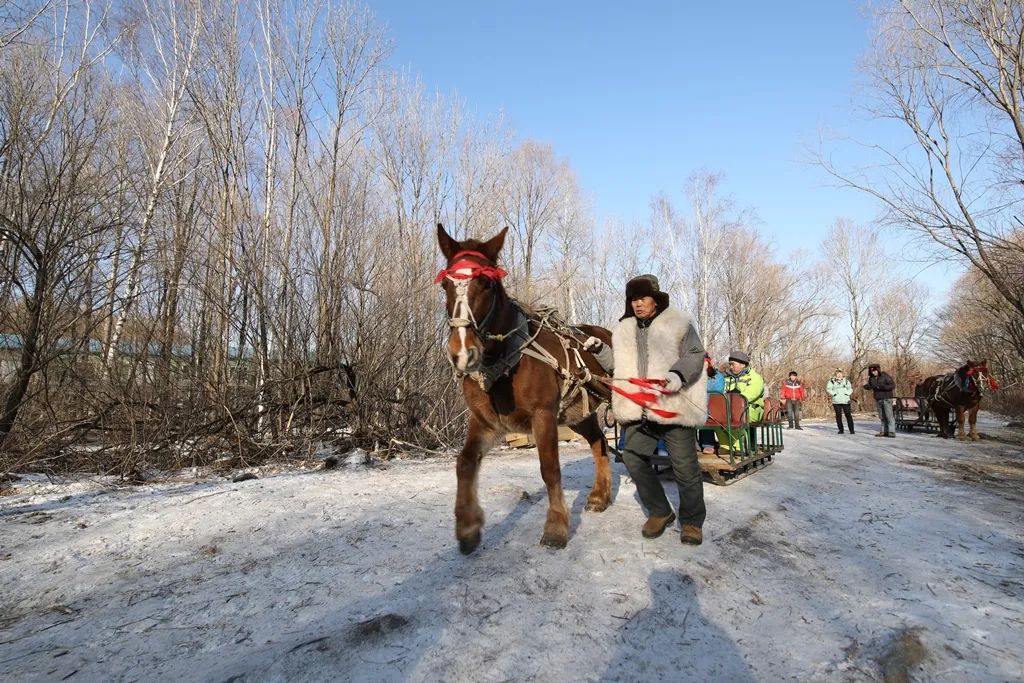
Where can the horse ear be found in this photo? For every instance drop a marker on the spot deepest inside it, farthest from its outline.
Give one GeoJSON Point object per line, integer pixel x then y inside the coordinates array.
{"type": "Point", "coordinates": [448, 245]}
{"type": "Point", "coordinates": [493, 246]}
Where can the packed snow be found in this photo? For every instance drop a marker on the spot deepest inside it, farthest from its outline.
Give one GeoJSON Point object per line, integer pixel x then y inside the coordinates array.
{"type": "Point", "coordinates": [849, 558]}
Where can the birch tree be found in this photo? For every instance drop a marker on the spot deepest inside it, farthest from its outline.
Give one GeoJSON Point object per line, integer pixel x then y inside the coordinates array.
{"type": "Point", "coordinates": [161, 59]}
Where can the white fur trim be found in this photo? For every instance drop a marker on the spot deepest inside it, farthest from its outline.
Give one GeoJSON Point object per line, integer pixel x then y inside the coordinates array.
{"type": "Point", "coordinates": [664, 348]}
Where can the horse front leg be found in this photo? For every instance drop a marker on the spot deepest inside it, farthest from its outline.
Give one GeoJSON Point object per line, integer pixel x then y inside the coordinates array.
{"type": "Point", "coordinates": [601, 493]}
{"type": "Point", "coordinates": [960, 423]}
{"type": "Point", "coordinates": [469, 516]}
{"type": "Point", "coordinates": [545, 433]}
{"type": "Point", "coordinates": [974, 423]}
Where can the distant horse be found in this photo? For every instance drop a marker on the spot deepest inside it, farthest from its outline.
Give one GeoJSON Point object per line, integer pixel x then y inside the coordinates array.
{"type": "Point", "coordinates": [961, 390]}
{"type": "Point", "coordinates": [517, 374]}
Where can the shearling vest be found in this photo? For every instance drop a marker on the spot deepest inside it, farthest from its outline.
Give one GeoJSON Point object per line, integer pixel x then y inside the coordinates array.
{"type": "Point", "coordinates": [664, 347]}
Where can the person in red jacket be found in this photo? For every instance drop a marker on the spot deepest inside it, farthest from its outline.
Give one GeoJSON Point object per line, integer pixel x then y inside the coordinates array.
{"type": "Point", "coordinates": [793, 394]}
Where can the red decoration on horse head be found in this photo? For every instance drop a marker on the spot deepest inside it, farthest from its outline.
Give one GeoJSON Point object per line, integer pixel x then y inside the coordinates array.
{"type": "Point", "coordinates": [464, 269]}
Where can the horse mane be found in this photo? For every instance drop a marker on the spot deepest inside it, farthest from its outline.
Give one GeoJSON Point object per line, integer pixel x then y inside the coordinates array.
{"type": "Point", "coordinates": [471, 244]}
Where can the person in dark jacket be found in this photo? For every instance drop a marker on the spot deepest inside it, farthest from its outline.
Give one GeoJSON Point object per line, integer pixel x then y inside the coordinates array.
{"type": "Point", "coordinates": [883, 386]}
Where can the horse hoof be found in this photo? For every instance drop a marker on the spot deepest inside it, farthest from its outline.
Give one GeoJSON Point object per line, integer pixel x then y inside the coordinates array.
{"type": "Point", "coordinates": [553, 541]}
{"type": "Point", "coordinates": [975, 437]}
{"type": "Point", "coordinates": [596, 505]}
{"type": "Point", "coordinates": [469, 544]}
{"type": "Point", "coordinates": [960, 437]}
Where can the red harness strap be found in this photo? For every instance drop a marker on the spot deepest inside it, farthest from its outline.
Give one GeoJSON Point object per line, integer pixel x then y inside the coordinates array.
{"type": "Point", "coordinates": [475, 269]}
{"type": "Point", "coordinates": [646, 398]}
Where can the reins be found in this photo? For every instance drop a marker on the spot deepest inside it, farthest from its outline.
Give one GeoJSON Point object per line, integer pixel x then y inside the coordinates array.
{"type": "Point", "coordinates": [644, 399]}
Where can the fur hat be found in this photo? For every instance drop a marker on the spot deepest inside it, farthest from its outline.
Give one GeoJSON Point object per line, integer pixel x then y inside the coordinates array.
{"type": "Point", "coordinates": [739, 357]}
{"type": "Point", "coordinates": [644, 285]}
{"type": "Point", "coordinates": [874, 366]}
{"type": "Point", "coordinates": [794, 372]}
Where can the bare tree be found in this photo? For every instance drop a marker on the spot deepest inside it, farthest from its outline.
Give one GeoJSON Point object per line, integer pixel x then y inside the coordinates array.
{"type": "Point", "coordinates": [17, 17]}
{"type": "Point", "coordinates": [951, 73]}
{"type": "Point", "coordinates": [533, 200]}
{"type": "Point", "coordinates": [903, 328]}
{"type": "Point", "coordinates": [55, 122]}
{"type": "Point", "coordinates": [161, 58]}
{"type": "Point", "coordinates": [857, 277]}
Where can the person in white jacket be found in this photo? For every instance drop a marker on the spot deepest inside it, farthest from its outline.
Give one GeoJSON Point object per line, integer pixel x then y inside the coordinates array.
{"type": "Point", "coordinates": [841, 391]}
{"type": "Point", "coordinates": [653, 341]}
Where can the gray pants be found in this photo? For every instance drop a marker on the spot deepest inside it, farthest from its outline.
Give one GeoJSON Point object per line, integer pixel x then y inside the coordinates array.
{"type": "Point", "coordinates": [885, 413]}
{"type": "Point", "coordinates": [793, 412]}
{"type": "Point", "coordinates": [681, 444]}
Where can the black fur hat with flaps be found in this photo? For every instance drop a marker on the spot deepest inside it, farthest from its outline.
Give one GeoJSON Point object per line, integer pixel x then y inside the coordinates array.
{"type": "Point", "coordinates": [644, 285]}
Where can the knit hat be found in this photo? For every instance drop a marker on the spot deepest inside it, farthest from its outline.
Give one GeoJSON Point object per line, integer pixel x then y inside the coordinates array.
{"type": "Point", "coordinates": [874, 366]}
{"type": "Point", "coordinates": [794, 372]}
{"type": "Point", "coordinates": [739, 357]}
{"type": "Point", "coordinates": [644, 285]}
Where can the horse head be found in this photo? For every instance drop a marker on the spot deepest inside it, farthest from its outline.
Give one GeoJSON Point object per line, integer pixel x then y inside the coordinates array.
{"type": "Point", "coordinates": [472, 284]}
{"type": "Point", "coordinates": [977, 376]}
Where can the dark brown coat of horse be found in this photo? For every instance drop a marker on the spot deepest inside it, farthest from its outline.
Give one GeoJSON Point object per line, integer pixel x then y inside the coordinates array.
{"type": "Point", "coordinates": [962, 391]}
{"type": "Point", "coordinates": [529, 397]}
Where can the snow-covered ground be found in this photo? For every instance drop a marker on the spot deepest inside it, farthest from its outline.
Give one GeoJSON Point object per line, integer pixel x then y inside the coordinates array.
{"type": "Point", "coordinates": [850, 558]}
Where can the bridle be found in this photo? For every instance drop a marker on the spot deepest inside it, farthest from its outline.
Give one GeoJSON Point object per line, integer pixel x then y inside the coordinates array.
{"type": "Point", "coordinates": [461, 272]}
{"type": "Point", "coordinates": [980, 376]}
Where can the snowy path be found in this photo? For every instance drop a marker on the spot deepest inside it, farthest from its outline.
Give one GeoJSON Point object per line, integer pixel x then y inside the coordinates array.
{"type": "Point", "coordinates": [850, 558]}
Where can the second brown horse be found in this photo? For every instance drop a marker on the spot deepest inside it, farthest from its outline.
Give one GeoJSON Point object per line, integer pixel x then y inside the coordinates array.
{"type": "Point", "coordinates": [487, 328]}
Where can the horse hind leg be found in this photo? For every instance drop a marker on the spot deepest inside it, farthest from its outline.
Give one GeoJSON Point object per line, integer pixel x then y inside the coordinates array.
{"type": "Point", "coordinates": [469, 516]}
{"type": "Point", "coordinates": [556, 527]}
{"type": "Point", "coordinates": [601, 493]}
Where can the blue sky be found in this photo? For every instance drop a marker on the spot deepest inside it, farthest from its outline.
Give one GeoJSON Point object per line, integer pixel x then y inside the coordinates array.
{"type": "Point", "coordinates": [639, 95]}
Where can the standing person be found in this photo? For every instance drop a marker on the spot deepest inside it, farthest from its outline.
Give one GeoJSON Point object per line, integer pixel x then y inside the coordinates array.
{"type": "Point", "coordinates": [883, 386]}
{"type": "Point", "coordinates": [840, 390]}
{"type": "Point", "coordinates": [653, 341]}
{"type": "Point", "coordinates": [793, 394]}
{"type": "Point", "coordinates": [743, 379]}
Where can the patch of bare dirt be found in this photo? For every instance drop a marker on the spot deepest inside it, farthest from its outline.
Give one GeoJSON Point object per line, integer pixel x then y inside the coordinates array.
{"type": "Point", "coordinates": [903, 653]}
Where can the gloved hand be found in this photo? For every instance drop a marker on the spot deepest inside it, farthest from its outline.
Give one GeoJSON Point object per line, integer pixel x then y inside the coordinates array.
{"type": "Point", "coordinates": [673, 383]}
{"type": "Point", "coordinates": [593, 344]}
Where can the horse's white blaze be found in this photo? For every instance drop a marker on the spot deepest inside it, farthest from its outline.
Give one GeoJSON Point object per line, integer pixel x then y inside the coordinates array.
{"type": "Point", "coordinates": [462, 312]}
{"type": "Point", "coordinates": [462, 359]}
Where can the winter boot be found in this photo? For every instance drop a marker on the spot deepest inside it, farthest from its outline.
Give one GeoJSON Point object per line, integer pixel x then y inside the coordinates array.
{"type": "Point", "coordinates": [655, 526]}
{"type": "Point", "coordinates": [691, 535]}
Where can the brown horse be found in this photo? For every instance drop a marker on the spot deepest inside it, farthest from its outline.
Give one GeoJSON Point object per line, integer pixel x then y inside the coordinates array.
{"type": "Point", "coordinates": [961, 390]}
{"type": "Point", "coordinates": [509, 389]}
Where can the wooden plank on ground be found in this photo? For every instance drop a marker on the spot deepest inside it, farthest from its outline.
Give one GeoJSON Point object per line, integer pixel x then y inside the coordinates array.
{"type": "Point", "coordinates": [521, 440]}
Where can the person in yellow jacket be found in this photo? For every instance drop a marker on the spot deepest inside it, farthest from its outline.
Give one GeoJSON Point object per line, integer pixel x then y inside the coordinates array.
{"type": "Point", "coordinates": [744, 380]}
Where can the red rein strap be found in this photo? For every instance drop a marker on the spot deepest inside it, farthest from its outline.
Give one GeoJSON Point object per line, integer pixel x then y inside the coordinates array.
{"type": "Point", "coordinates": [646, 398]}
{"type": "Point", "coordinates": [475, 269]}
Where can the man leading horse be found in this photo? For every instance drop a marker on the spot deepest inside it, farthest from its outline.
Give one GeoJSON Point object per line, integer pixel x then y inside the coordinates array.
{"type": "Point", "coordinates": [659, 385]}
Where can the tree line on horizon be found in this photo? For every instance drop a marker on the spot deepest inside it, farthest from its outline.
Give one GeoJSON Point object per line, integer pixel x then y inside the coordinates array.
{"type": "Point", "coordinates": [217, 242]}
